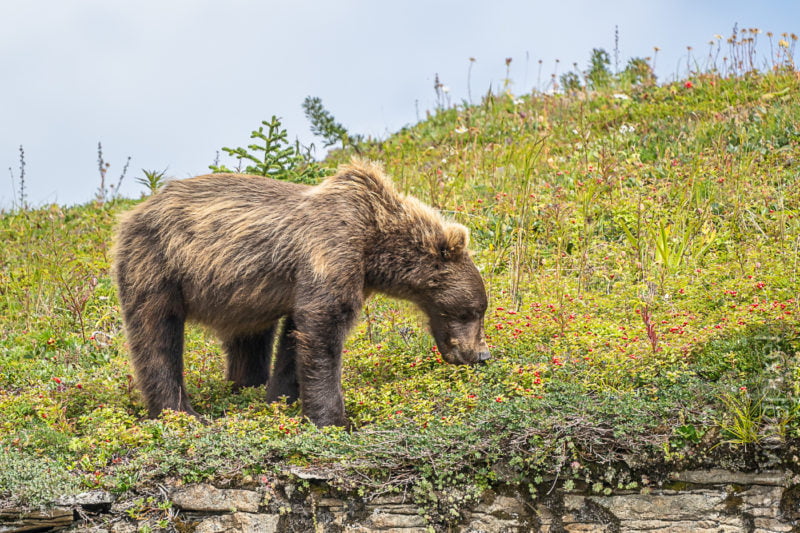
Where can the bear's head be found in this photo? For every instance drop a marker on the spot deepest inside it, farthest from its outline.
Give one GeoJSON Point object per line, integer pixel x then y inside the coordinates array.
{"type": "Point", "coordinates": [455, 299]}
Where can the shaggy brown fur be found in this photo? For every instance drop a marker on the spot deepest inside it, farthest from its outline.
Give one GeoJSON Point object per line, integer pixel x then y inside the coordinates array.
{"type": "Point", "coordinates": [237, 253]}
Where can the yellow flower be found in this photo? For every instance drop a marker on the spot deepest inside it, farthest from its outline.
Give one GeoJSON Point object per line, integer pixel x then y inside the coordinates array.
{"type": "Point", "coordinates": [783, 43]}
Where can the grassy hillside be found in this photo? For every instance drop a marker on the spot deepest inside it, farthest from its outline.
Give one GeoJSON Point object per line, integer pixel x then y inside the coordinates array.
{"type": "Point", "coordinates": [640, 249]}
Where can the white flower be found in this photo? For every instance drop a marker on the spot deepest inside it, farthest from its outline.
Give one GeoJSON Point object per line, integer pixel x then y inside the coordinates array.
{"type": "Point", "coordinates": [445, 89]}
{"type": "Point", "coordinates": [626, 128]}
{"type": "Point", "coordinates": [517, 101]}
{"type": "Point", "coordinates": [461, 130]}
{"type": "Point", "coordinates": [620, 96]}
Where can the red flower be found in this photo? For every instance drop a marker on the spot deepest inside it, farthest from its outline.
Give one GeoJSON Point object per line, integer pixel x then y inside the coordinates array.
{"type": "Point", "coordinates": [688, 85]}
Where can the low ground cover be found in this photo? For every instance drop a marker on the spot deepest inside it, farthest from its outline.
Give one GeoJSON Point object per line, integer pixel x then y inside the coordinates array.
{"type": "Point", "coordinates": [640, 249]}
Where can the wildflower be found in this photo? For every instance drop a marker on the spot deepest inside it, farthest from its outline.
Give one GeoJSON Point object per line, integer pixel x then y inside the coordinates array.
{"type": "Point", "coordinates": [461, 130]}
{"type": "Point", "coordinates": [688, 85]}
{"type": "Point", "coordinates": [620, 96]}
{"type": "Point", "coordinates": [783, 43]}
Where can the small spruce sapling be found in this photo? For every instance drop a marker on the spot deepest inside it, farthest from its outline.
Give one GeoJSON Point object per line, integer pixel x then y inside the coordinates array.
{"type": "Point", "coordinates": [570, 82]}
{"type": "Point", "coordinates": [599, 75]}
{"type": "Point", "coordinates": [277, 159]}
{"type": "Point", "coordinates": [324, 125]}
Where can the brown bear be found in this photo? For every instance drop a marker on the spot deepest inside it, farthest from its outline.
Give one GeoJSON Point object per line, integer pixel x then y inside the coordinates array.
{"type": "Point", "coordinates": [237, 253]}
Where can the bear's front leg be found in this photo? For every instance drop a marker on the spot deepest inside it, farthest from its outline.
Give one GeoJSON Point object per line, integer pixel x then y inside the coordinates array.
{"type": "Point", "coordinates": [319, 336]}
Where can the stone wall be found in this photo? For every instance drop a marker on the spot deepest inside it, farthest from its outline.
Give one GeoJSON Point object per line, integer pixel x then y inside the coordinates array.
{"type": "Point", "coordinates": [690, 501]}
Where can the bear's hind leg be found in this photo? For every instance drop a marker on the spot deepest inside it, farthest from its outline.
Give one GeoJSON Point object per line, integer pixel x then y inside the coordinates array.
{"type": "Point", "coordinates": [249, 358]}
{"type": "Point", "coordinates": [155, 323]}
{"type": "Point", "coordinates": [283, 381]}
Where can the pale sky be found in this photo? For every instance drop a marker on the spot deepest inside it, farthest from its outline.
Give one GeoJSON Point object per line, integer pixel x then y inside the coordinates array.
{"type": "Point", "coordinates": [169, 82]}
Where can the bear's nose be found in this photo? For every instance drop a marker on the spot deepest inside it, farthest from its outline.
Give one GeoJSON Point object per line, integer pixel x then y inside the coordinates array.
{"type": "Point", "coordinates": [484, 356]}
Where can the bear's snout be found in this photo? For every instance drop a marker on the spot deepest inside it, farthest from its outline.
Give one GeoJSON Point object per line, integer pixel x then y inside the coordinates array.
{"type": "Point", "coordinates": [461, 342]}
{"type": "Point", "coordinates": [463, 352]}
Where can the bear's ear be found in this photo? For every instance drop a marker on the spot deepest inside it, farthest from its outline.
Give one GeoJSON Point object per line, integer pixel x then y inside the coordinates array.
{"type": "Point", "coordinates": [455, 241]}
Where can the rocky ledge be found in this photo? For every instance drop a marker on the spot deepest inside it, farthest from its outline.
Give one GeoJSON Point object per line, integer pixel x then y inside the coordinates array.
{"type": "Point", "coordinates": [690, 501]}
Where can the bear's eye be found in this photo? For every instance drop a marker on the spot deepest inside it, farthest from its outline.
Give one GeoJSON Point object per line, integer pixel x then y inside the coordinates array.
{"type": "Point", "coordinates": [465, 316]}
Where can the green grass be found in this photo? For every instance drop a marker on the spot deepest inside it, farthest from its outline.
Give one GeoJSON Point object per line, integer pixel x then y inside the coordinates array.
{"type": "Point", "coordinates": [641, 257]}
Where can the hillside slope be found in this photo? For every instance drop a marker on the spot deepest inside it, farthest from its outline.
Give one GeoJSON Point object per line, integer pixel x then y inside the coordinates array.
{"type": "Point", "coordinates": [640, 248]}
